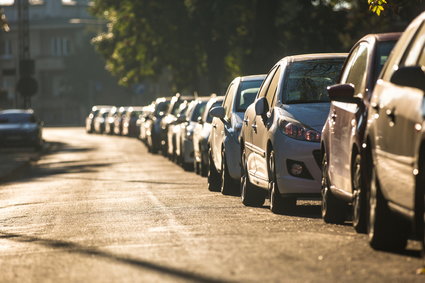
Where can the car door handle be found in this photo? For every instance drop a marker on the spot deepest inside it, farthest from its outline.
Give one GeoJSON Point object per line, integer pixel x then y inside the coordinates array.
{"type": "Point", "coordinates": [246, 121]}
{"type": "Point", "coordinates": [254, 126]}
{"type": "Point", "coordinates": [214, 126]}
{"type": "Point", "coordinates": [334, 116]}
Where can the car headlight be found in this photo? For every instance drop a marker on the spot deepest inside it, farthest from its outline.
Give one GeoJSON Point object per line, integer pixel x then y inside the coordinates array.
{"type": "Point", "coordinates": [299, 132]}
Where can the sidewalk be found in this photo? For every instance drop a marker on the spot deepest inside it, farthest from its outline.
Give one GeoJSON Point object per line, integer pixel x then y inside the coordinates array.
{"type": "Point", "coordinates": [15, 161]}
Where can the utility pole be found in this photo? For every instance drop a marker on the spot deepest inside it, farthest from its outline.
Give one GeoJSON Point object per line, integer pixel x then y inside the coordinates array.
{"type": "Point", "coordinates": [27, 85]}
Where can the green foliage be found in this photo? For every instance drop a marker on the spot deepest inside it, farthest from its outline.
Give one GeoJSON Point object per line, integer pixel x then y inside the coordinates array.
{"type": "Point", "coordinates": [205, 43]}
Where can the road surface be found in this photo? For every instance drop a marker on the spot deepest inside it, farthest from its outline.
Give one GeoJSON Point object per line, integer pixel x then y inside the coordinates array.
{"type": "Point", "coordinates": [100, 208]}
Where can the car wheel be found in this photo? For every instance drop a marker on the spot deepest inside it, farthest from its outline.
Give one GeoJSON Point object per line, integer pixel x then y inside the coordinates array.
{"type": "Point", "coordinates": [278, 204]}
{"type": "Point", "coordinates": [228, 185]}
{"type": "Point", "coordinates": [360, 208]}
{"type": "Point", "coordinates": [196, 166]}
{"type": "Point", "coordinates": [386, 231]}
{"type": "Point", "coordinates": [250, 194]}
{"type": "Point", "coordinates": [333, 210]}
{"type": "Point", "coordinates": [214, 178]}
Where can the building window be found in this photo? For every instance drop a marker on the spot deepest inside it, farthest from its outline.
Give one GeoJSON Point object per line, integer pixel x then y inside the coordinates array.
{"type": "Point", "coordinates": [8, 85]}
{"type": "Point", "coordinates": [6, 50]}
{"type": "Point", "coordinates": [60, 46]}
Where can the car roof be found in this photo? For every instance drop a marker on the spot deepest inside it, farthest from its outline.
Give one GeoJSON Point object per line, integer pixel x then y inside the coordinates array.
{"type": "Point", "coordinates": [253, 77]}
{"type": "Point", "coordinates": [314, 56]}
{"type": "Point", "coordinates": [17, 111]}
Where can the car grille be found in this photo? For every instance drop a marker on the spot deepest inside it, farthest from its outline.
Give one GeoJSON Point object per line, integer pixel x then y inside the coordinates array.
{"type": "Point", "coordinates": [317, 154]}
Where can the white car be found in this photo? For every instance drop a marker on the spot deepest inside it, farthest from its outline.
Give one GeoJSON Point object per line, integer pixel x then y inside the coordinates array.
{"type": "Point", "coordinates": [280, 139]}
{"type": "Point", "coordinates": [201, 135]}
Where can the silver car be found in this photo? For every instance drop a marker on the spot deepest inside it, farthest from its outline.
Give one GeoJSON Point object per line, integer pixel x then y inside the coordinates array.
{"type": "Point", "coordinates": [184, 132]}
{"type": "Point", "coordinates": [201, 135]}
{"type": "Point", "coordinates": [224, 157]}
{"type": "Point", "coordinates": [280, 139]}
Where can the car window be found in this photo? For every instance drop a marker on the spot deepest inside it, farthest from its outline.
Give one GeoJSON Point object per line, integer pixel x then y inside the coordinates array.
{"type": "Point", "coordinates": [398, 52]}
{"type": "Point", "coordinates": [271, 92]}
{"type": "Point", "coordinates": [265, 86]}
{"type": "Point", "coordinates": [349, 64]}
{"type": "Point", "coordinates": [197, 111]}
{"type": "Point", "coordinates": [383, 50]}
{"type": "Point", "coordinates": [421, 61]}
{"type": "Point", "coordinates": [209, 117]}
{"type": "Point", "coordinates": [229, 99]}
{"type": "Point", "coordinates": [161, 107]}
{"type": "Point", "coordinates": [306, 81]}
{"type": "Point", "coordinates": [357, 73]}
{"type": "Point", "coordinates": [246, 94]}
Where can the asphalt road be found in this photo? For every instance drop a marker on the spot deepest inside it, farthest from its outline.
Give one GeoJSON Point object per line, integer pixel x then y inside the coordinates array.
{"type": "Point", "coordinates": [102, 209]}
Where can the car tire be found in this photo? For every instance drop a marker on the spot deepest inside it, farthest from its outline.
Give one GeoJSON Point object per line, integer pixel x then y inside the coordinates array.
{"type": "Point", "coordinates": [360, 208]}
{"type": "Point", "coordinates": [386, 230]}
{"type": "Point", "coordinates": [278, 203]}
{"type": "Point", "coordinates": [196, 167]}
{"type": "Point", "coordinates": [228, 185]}
{"type": "Point", "coordinates": [250, 194]}
{"type": "Point", "coordinates": [204, 167]}
{"type": "Point", "coordinates": [214, 178]}
{"type": "Point", "coordinates": [334, 211]}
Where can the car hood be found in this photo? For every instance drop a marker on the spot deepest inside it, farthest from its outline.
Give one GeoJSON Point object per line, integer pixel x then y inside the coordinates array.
{"type": "Point", "coordinates": [313, 115]}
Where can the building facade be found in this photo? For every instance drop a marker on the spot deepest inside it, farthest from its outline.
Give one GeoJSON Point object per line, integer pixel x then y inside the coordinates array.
{"type": "Point", "coordinates": [70, 75]}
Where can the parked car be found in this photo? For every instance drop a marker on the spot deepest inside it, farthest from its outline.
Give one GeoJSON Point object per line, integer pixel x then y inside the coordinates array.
{"type": "Point", "coordinates": [169, 119]}
{"type": "Point", "coordinates": [100, 120]}
{"type": "Point", "coordinates": [224, 157]}
{"type": "Point", "coordinates": [281, 131]}
{"type": "Point", "coordinates": [142, 121]}
{"type": "Point", "coordinates": [110, 121]}
{"type": "Point", "coordinates": [395, 144]}
{"type": "Point", "coordinates": [184, 132]}
{"type": "Point", "coordinates": [343, 133]}
{"type": "Point", "coordinates": [20, 128]}
{"type": "Point", "coordinates": [201, 135]}
{"type": "Point", "coordinates": [153, 124]}
{"type": "Point", "coordinates": [90, 118]}
{"type": "Point", "coordinates": [129, 123]}
{"type": "Point", "coordinates": [119, 120]}
{"type": "Point", "coordinates": [172, 128]}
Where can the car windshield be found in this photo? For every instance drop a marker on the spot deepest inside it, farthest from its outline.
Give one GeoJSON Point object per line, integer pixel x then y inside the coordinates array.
{"type": "Point", "coordinates": [306, 81]}
{"type": "Point", "coordinates": [209, 117]}
{"type": "Point", "coordinates": [17, 118]}
{"type": "Point", "coordinates": [198, 111]}
{"type": "Point", "coordinates": [383, 50]}
{"type": "Point", "coordinates": [161, 107]}
{"type": "Point", "coordinates": [246, 94]}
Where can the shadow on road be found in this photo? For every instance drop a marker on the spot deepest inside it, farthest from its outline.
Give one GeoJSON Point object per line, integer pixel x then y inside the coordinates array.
{"type": "Point", "coordinates": [302, 210]}
{"type": "Point", "coordinates": [79, 249]}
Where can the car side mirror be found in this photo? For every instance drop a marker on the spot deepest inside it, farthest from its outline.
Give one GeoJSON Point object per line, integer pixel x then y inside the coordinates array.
{"type": "Point", "coordinates": [260, 106]}
{"type": "Point", "coordinates": [343, 93]}
{"type": "Point", "coordinates": [412, 76]}
{"type": "Point", "coordinates": [218, 112]}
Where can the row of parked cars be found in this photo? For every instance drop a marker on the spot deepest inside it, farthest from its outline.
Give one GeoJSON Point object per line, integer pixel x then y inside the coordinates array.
{"type": "Point", "coordinates": [345, 128]}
